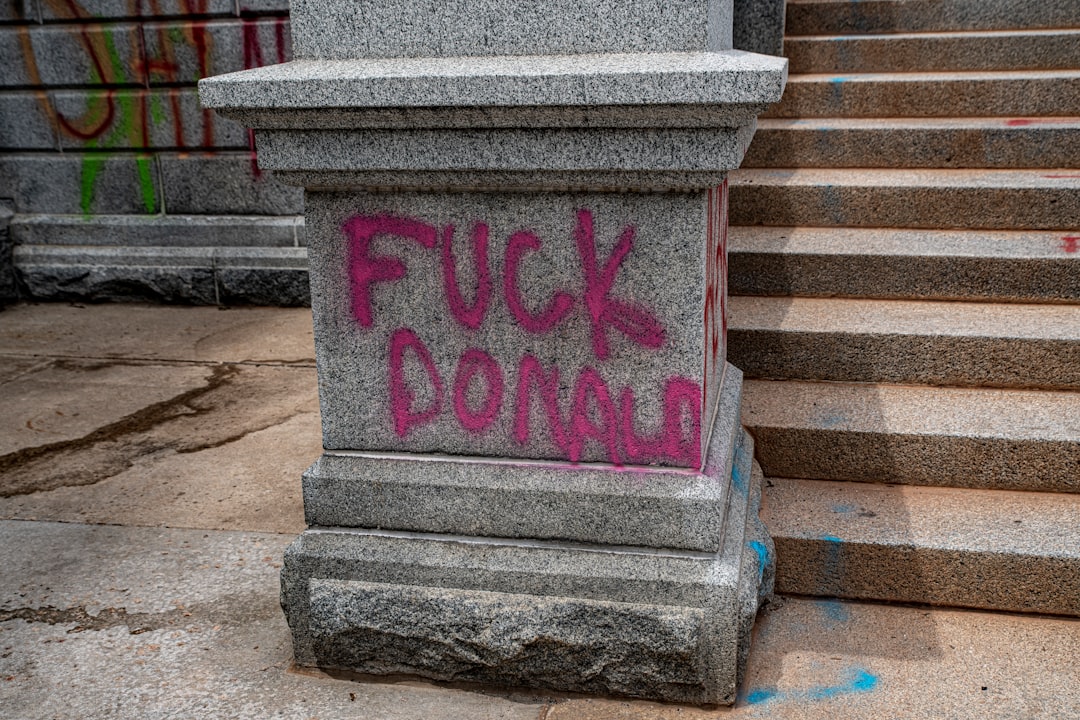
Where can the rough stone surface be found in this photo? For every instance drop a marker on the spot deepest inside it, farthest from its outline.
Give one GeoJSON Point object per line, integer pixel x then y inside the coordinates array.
{"type": "Point", "coordinates": [930, 199]}
{"type": "Point", "coordinates": [185, 125]}
{"type": "Point", "coordinates": [993, 549]}
{"type": "Point", "coordinates": [122, 8]}
{"type": "Point", "coordinates": [1014, 93]}
{"type": "Point", "coordinates": [921, 142]}
{"type": "Point", "coordinates": [605, 345]}
{"type": "Point", "coordinates": [684, 617]}
{"type": "Point", "coordinates": [582, 151]}
{"type": "Point", "coordinates": [173, 230]}
{"type": "Point", "coordinates": [226, 45]}
{"type": "Point", "coordinates": [1054, 49]}
{"type": "Point", "coordinates": [60, 56]}
{"type": "Point", "coordinates": [958, 437]}
{"type": "Point", "coordinates": [629, 506]}
{"type": "Point", "coordinates": [911, 264]}
{"type": "Point", "coordinates": [703, 78]}
{"type": "Point", "coordinates": [896, 341]}
{"type": "Point", "coordinates": [330, 29]}
{"type": "Point", "coordinates": [224, 184]}
{"type": "Point", "coordinates": [9, 290]}
{"type": "Point", "coordinates": [828, 17]}
{"type": "Point", "coordinates": [24, 123]}
{"type": "Point", "coordinates": [758, 26]}
{"type": "Point", "coordinates": [18, 10]}
{"type": "Point", "coordinates": [40, 183]}
{"type": "Point", "coordinates": [670, 235]}
{"type": "Point", "coordinates": [198, 275]}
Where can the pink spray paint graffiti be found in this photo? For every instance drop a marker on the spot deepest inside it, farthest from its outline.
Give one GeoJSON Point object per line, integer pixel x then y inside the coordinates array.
{"type": "Point", "coordinates": [592, 414]}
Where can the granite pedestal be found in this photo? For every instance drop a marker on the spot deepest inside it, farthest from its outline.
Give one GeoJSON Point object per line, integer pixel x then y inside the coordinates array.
{"type": "Point", "coordinates": [534, 472]}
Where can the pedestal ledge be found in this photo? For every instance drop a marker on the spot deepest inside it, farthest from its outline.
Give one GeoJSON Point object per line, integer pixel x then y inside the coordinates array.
{"type": "Point", "coordinates": [308, 94]}
{"type": "Point", "coordinates": [657, 507]}
{"type": "Point", "coordinates": [633, 621]}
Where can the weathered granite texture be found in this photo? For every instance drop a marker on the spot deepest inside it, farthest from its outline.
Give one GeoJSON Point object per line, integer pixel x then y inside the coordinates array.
{"type": "Point", "coordinates": [737, 84]}
{"type": "Point", "coordinates": [647, 622]}
{"type": "Point", "coordinates": [759, 26]}
{"type": "Point", "coordinates": [9, 291]}
{"type": "Point", "coordinates": [505, 158]}
{"type": "Point", "coordinates": [326, 29]}
{"type": "Point", "coordinates": [520, 346]}
{"type": "Point", "coordinates": [539, 319]}
{"type": "Point", "coordinates": [649, 506]}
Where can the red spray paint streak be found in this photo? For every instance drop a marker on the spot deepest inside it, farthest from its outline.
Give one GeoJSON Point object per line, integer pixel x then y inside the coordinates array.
{"type": "Point", "coordinates": [635, 322]}
{"type": "Point", "coordinates": [1023, 122]}
{"type": "Point", "coordinates": [593, 415]}
{"type": "Point", "coordinates": [561, 302]}
{"type": "Point", "coordinates": [366, 269]}
{"type": "Point", "coordinates": [1070, 243]}
{"type": "Point", "coordinates": [531, 375]}
{"type": "Point", "coordinates": [253, 58]}
{"type": "Point", "coordinates": [473, 361]}
{"type": "Point", "coordinates": [401, 397]}
{"type": "Point", "coordinates": [716, 279]}
{"type": "Point", "coordinates": [469, 316]}
{"type": "Point", "coordinates": [84, 128]}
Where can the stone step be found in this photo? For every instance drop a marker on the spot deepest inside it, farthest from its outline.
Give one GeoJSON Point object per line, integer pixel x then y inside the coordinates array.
{"type": "Point", "coordinates": [1003, 266]}
{"type": "Point", "coordinates": [1056, 49]}
{"type": "Point", "coordinates": [1047, 142]}
{"type": "Point", "coordinates": [832, 17]}
{"type": "Point", "coordinates": [204, 275]}
{"type": "Point", "coordinates": [988, 549]}
{"type": "Point", "coordinates": [932, 199]}
{"type": "Point", "coordinates": [1016, 93]}
{"type": "Point", "coordinates": [916, 435]}
{"type": "Point", "coordinates": [903, 341]}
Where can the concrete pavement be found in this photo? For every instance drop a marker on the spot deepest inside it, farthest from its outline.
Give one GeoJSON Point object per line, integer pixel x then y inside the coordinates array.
{"type": "Point", "coordinates": [149, 480]}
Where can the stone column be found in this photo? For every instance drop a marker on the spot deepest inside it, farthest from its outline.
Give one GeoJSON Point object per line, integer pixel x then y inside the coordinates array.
{"type": "Point", "coordinates": [534, 472]}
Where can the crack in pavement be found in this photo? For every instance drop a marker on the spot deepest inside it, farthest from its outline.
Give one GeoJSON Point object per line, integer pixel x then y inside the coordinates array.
{"type": "Point", "coordinates": [233, 402]}
{"type": "Point", "coordinates": [140, 421]}
{"type": "Point", "coordinates": [136, 623]}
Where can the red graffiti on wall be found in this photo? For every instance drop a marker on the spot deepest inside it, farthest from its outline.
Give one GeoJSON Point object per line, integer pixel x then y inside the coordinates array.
{"type": "Point", "coordinates": [715, 275]}
{"type": "Point", "coordinates": [478, 387]}
{"type": "Point", "coordinates": [604, 310]}
{"type": "Point", "coordinates": [592, 414]}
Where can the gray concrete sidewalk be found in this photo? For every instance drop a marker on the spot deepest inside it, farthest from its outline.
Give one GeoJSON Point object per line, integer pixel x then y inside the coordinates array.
{"type": "Point", "coordinates": [149, 480]}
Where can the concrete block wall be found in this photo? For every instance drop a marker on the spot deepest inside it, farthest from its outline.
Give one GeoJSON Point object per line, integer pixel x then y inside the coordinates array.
{"type": "Point", "coordinates": [102, 139]}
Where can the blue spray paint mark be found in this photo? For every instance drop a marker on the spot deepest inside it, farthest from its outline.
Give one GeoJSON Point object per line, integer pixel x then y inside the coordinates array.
{"type": "Point", "coordinates": [835, 611]}
{"type": "Point", "coordinates": [855, 680]}
{"type": "Point", "coordinates": [860, 682]}
{"type": "Point", "coordinates": [836, 92]}
{"type": "Point", "coordinates": [760, 696]}
{"type": "Point", "coordinates": [843, 508]}
{"type": "Point", "coordinates": [763, 556]}
{"type": "Point", "coordinates": [832, 200]}
{"type": "Point", "coordinates": [738, 478]}
{"type": "Point", "coordinates": [738, 475]}
{"type": "Point", "coordinates": [831, 572]}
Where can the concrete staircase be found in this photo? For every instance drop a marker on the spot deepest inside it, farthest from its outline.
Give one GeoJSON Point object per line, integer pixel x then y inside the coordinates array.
{"type": "Point", "coordinates": [905, 272]}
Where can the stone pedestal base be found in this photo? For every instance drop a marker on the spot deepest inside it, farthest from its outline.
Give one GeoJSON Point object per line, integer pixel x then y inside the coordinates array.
{"type": "Point", "coordinates": [594, 606]}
